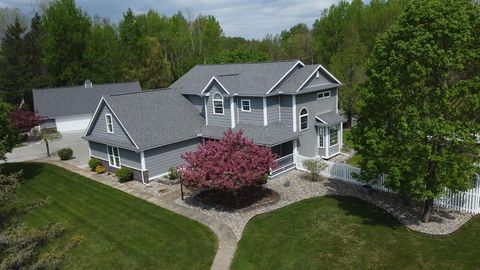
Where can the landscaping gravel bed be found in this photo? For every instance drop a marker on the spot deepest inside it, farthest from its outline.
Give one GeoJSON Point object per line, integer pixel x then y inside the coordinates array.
{"type": "Point", "coordinates": [443, 221]}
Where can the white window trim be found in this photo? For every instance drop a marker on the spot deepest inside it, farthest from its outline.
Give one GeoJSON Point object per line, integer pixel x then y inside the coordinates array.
{"type": "Point", "coordinates": [249, 105]}
{"type": "Point", "coordinates": [323, 95]}
{"type": "Point", "coordinates": [300, 119]}
{"type": "Point", "coordinates": [213, 104]}
{"type": "Point", "coordinates": [338, 137]}
{"type": "Point", "coordinates": [113, 154]}
{"type": "Point", "coordinates": [107, 115]}
{"type": "Point", "coordinates": [323, 137]}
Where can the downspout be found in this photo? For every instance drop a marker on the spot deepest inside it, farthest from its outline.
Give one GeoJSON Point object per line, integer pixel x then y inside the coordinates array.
{"type": "Point", "coordinates": [142, 160]}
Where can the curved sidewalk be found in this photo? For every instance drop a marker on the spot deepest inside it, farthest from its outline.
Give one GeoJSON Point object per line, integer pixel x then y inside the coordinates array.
{"type": "Point", "coordinates": [227, 241]}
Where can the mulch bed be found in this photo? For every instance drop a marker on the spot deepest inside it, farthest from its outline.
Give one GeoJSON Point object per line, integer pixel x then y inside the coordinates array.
{"type": "Point", "coordinates": [246, 198]}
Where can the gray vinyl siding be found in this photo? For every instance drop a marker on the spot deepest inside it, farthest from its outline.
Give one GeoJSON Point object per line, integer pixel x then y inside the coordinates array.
{"type": "Point", "coordinates": [255, 117]}
{"type": "Point", "coordinates": [99, 129]}
{"type": "Point", "coordinates": [128, 158]}
{"type": "Point", "coordinates": [323, 79]}
{"type": "Point", "coordinates": [98, 150]}
{"type": "Point", "coordinates": [273, 109]}
{"type": "Point", "coordinates": [308, 137]}
{"type": "Point", "coordinates": [286, 110]}
{"type": "Point", "coordinates": [224, 120]}
{"type": "Point", "coordinates": [197, 102]}
{"type": "Point", "coordinates": [159, 160]}
{"type": "Point", "coordinates": [321, 151]}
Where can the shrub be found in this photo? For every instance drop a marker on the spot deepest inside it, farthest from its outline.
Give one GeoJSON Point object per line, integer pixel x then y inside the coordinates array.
{"type": "Point", "coordinates": [93, 163]}
{"type": "Point", "coordinates": [65, 153]}
{"type": "Point", "coordinates": [124, 174]}
{"type": "Point", "coordinates": [100, 169]}
{"type": "Point", "coordinates": [173, 173]}
{"type": "Point", "coordinates": [314, 167]}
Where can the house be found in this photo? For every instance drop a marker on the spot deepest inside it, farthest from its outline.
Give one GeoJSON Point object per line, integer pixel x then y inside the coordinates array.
{"type": "Point", "coordinates": [288, 106]}
{"type": "Point", "coordinates": [70, 108]}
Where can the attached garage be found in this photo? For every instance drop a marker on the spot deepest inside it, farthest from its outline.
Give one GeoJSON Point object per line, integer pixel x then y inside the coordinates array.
{"type": "Point", "coordinates": [69, 109]}
{"type": "Point", "coordinates": [72, 123]}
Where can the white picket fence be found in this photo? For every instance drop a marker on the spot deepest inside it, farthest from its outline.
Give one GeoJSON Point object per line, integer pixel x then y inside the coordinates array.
{"type": "Point", "coordinates": [468, 201]}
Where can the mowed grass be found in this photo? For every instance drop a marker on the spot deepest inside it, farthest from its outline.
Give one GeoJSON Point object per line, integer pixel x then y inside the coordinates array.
{"type": "Point", "coordinates": [119, 231]}
{"type": "Point", "coordinates": [348, 233]}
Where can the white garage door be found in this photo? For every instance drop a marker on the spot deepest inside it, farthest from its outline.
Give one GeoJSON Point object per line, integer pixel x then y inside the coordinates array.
{"type": "Point", "coordinates": [72, 123]}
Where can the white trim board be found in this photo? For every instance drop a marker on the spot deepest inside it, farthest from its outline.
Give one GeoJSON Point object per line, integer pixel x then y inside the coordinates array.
{"type": "Point", "coordinates": [285, 75]}
{"type": "Point", "coordinates": [210, 82]}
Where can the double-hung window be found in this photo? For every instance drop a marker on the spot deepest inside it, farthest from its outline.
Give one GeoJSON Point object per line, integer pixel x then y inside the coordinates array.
{"type": "Point", "coordinates": [324, 94]}
{"type": "Point", "coordinates": [333, 135]}
{"type": "Point", "coordinates": [217, 103]}
{"type": "Point", "coordinates": [246, 105]}
{"type": "Point", "coordinates": [321, 142]}
{"type": "Point", "coordinates": [113, 156]}
{"type": "Point", "coordinates": [109, 122]}
{"type": "Point", "coordinates": [303, 119]}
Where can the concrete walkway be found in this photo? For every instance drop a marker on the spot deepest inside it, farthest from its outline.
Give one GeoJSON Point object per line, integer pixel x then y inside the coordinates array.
{"type": "Point", "coordinates": [227, 241]}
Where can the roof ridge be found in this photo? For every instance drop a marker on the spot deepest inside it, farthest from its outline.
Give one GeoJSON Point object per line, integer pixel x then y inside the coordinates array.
{"type": "Point", "coordinates": [251, 63]}
{"type": "Point", "coordinates": [81, 85]}
{"type": "Point", "coordinates": [141, 92]}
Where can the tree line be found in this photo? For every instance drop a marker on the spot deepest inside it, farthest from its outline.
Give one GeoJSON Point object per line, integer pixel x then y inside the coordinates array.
{"type": "Point", "coordinates": [64, 46]}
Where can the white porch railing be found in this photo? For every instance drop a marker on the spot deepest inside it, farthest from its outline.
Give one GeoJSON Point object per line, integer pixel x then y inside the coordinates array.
{"type": "Point", "coordinates": [284, 164]}
{"type": "Point", "coordinates": [467, 201]}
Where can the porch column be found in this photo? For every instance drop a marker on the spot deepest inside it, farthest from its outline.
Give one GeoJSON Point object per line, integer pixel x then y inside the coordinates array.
{"type": "Point", "coordinates": [327, 141]}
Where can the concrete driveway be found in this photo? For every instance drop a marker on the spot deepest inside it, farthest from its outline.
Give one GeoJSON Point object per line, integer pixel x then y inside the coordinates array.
{"type": "Point", "coordinates": [38, 150]}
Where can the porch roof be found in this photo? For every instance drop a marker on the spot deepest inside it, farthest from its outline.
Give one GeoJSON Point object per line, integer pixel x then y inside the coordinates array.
{"type": "Point", "coordinates": [270, 135]}
{"type": "Point", "coordinates": [328, 119]}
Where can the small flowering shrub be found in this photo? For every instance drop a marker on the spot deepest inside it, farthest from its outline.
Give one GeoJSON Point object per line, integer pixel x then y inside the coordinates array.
{"type": "Point", "coordinates": [93, 163]}
{"type": "Point", "coordinates": [100, 169]}
{"type": "Point", "coordinates": [230, 164]}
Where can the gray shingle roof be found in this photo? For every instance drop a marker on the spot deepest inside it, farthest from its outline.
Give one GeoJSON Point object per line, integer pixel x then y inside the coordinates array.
{"type": "Point", "coordinates": [293, 82]}
{"type": "Point", "coordinates": [156, 118]}
{"type": "Point", "coordinates": [266, 135]}
{"type": "Point", "coordinates": [329, 118]}
{"type": "Point", "coordinates": [65, 101]}
{"type": "Point", "coordinates": [245, 79]}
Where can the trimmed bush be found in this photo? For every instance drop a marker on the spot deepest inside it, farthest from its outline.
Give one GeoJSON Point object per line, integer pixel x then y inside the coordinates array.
{"type": "Point", "coordinates": [65, 153]}
{"type": "Point", "coordinates": [100, 169]}
{"type": "Point", "coordinates": [93, 163]}
{"type": "Point", "coordinates": [124, 174]}
{"type": "Point", "coordinates": [173, 173]}
{"type": "Point", "coordinates": [315, 167]}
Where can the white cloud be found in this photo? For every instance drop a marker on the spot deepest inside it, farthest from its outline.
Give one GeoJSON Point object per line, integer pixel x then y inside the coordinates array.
{"type": "Point", "coordinates": [248, 18]}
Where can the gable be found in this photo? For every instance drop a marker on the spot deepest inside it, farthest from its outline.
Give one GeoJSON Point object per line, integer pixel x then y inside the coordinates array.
{"type": "Point", "coordinates": [215, 87]}
{"type": "Point", "coordinates": [98, 129]}
{"type": "Point", "coordinates": [322, 80]}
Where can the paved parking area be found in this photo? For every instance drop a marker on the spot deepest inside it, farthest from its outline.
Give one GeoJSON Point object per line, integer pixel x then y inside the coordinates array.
{"type": "Point", "coordinates": [38, 150]}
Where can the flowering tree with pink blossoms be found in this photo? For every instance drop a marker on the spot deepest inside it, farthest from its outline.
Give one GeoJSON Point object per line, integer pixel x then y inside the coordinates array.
{"type": "Point", "coordinates": [230, 164]}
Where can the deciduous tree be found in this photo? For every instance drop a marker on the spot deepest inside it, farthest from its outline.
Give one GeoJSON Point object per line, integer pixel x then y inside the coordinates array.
{"type": "Point", "coordinates": [420, 121]}
{"type": "Point", "coordinates": [230, 164]}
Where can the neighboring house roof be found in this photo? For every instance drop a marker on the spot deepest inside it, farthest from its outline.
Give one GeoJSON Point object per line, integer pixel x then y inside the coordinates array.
{"type": "Point", "coordinates": [270, 135]}
{"type": "Point", "coordinates": [75, 100]}
{"type": "Point", "coordinates": [329, 118]}
{"type": "Point", "coordinates": [254, 79]}
{"type": "Point", "coordinates": [155, 118]}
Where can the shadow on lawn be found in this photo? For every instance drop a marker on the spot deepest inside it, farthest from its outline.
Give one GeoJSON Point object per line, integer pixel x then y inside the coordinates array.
{"type": "Point", "coordinates": [408, 212]}
{"type": "Point", "coordinates": [29, 170]}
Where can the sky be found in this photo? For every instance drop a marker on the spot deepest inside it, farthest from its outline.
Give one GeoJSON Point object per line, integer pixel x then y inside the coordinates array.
{"type": "Point", "coordinates": [247, 18]}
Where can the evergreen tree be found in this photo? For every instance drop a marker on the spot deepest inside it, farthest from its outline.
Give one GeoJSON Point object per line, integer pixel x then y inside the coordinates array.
{"type": "Point", "coordinates": [12, 80]}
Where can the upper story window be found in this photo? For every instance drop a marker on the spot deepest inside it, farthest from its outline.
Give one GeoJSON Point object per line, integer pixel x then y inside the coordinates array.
{"type": "Point", "coordinates": [113, 156]}
{"type": "Point", "coordinates": [317, 74]}
{"type": "Point", "coordinates": [109, 122]}
{"type": "Point", "coordinates": [334, 135]}
{"type": "Point", "coordinates": [303, 119]}
{"type": "Point", "coordinates": [324, 94]}
{"type": "Point", "coordinates": [246, 105]}
{"type": "Point", "coordinates": [217, 103]}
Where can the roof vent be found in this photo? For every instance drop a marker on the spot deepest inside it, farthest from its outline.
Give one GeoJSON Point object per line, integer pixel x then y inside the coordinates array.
{"type": "Point", "coordinates": [88, 83]}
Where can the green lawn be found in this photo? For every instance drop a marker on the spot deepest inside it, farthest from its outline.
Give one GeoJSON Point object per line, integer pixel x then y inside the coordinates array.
{"type": "Point", "coordinates": [348, 233]}
{"type": "Point", "coordinates": [119, 231]}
